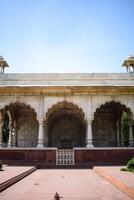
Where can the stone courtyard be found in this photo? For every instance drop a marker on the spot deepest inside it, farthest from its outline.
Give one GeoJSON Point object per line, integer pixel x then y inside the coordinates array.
{"type": "Point", "coordinates": [71, 184]}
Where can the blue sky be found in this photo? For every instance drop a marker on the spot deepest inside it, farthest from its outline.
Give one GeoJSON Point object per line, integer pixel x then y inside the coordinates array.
{"type": "Point", "coordinates": [66, 35]}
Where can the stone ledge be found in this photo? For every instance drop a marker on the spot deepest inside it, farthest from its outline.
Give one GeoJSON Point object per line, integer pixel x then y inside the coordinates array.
{"type": "Point", "coordinates": [15, 179]}
{"type": "Point", "coordinates": [28, 148]}
{"type": "Point", "coordinates": [104, 148]}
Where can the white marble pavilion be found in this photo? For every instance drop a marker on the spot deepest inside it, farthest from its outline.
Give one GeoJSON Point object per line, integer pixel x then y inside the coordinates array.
{"type": "Point", "coordinates": [67, 110]}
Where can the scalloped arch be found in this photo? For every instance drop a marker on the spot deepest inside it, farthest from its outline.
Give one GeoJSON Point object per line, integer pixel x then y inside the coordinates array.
{"type": "Point", "coordinates": [116, 103]}
{"type": "Point", "coordinates": [13, 104]}
{"type": "Point", "coordinates": [68, 105]}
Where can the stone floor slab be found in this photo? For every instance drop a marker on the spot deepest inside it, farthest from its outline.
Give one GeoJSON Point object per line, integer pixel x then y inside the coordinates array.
{"type": "Point", "coordinates": [122, 180]}
{"type": "Point", "coordinates": [71, 184]}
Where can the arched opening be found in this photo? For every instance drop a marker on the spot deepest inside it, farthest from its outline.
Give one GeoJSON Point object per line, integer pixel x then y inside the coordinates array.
{"type": "Point", "coordinates": [20, 127]}
{"type": "Point", "coordinates": [66, 127]}
{"type": "Point", "coordinates": [108, 127]}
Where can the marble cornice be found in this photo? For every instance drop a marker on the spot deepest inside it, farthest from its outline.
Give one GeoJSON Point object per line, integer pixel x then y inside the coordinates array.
{"type": "Point", "coordinates": [61, 84]}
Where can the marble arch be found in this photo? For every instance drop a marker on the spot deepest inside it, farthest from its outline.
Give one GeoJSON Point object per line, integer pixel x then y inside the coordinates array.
{"type": "Point", "coordinates": [68, 105]}
{"type": "Point", "coordinates": [126, 100]}
{"type": "Point", "coordinates": [107, 126]}
{"type": "Point", "coordinates": [17, 104]}
{"type": "Point", "coordinates": [66, 125]}
{"type": "Point", "coordinates": [23, 127]}
{"type": "Point", "coordinates": [118, 103]}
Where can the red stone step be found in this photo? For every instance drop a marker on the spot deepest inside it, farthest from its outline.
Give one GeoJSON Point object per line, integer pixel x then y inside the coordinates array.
{"type": "Point", "coordinates": [15, 179]}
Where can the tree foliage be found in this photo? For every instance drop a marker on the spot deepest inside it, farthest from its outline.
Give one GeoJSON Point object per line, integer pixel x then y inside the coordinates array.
{"type": "Point", "coordinates": [5, 128]}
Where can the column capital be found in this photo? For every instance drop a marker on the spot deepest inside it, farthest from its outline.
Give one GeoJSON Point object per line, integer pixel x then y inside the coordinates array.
{"type": "Point", "coordinates": [89, 120]}
{"type": "Point", "coordinates": [40, 119]}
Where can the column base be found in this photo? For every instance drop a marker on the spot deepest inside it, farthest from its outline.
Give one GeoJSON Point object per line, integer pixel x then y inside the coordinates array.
{"type": "Point", "coordinates": [131, 144]}
{"type": "Point", "coordinates": [89, 145]}
{"type": "Point", "coordinates": [40, 145]}
{"type": "Point", "coordinates": [0, 144]}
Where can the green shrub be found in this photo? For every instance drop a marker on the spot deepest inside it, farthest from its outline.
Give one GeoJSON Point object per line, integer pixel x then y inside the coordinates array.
{"type": "Point", "coordinates": [1, 165]}
{"type": "Point", "coordinates": [123, 169]}
{"type": "Point", "coordinates": [130, 165]}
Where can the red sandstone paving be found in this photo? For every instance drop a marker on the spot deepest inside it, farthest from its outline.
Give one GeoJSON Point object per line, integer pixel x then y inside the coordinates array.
{"type": "Point", "coordinates": [125, 177]}
{"type": "Point", "coordinates": [11, 171]}
{"type": "Point", "coordinates": [72, 184]}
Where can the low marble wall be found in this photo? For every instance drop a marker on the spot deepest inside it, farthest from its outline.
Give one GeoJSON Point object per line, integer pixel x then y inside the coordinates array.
{"type": "Point", "coordinates": [28, 156]}
{"type": "Point", "coordinates": [100, 156]}
{"type": "Point", "coordinates": [83, 157]}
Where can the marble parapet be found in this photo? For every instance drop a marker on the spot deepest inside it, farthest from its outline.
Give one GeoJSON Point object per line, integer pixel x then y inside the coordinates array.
{"type": "Point", "coordinates": [67, 79]}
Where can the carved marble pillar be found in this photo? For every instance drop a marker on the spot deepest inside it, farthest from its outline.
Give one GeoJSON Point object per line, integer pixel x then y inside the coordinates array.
{"type": "Point", "coordinates": [122, 136]}
{"type": "Point", "coordinates": [40, 119]}
{"type": "Point", "coordinates": [40, 133]}
{"type": "Point", "coordinates": [131, 139]}
{"type": "Point", "coordinates": [10, 130]}
{"type": "Point", "coordinates": [14, 134]}
{"type": "Point", "coordinates": [1, 124]}
{"type": "Point", "coordinates": [89, 137]}
{"type": "Point", "coordinates": [118, 134]}
{"type": "Point", "coordinates": [46, 135]}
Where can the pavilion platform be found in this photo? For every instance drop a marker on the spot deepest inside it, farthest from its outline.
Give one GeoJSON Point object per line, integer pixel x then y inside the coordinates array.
{"type": "Point", "coordinates": [83, 157]}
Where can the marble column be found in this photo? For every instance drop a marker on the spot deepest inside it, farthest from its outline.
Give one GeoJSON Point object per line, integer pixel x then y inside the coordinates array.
{"type": "Point", "coordinates": [40, 119]}
{"type": "Point", "coordinates": [1, 124]}
{"type": "Point", "coordinates": [14, 134]}
{"type": "Point", "coordinates": [131, 138]}
{"type": "Point", "coordinates": [40, 133]}
{"type": "Point", "coordinates": [46, 135]}
{"type": "Point", "coordinates": [122, 136]}
{"type": "Point", "coordinates": [118, 134]}
{"type": "Point", "coordinates": [89, 137]}
{"type": "Point", "coordinates": [10, 130]}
